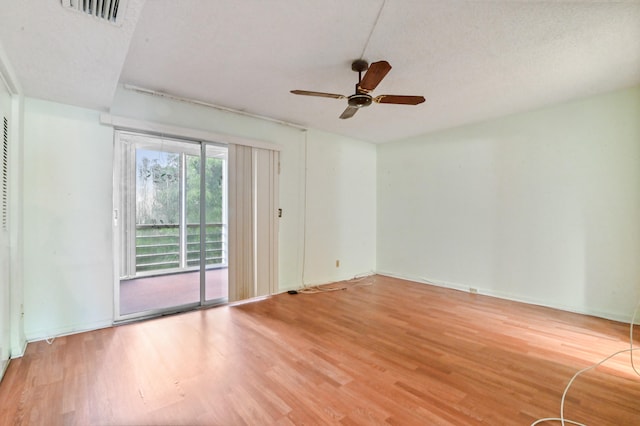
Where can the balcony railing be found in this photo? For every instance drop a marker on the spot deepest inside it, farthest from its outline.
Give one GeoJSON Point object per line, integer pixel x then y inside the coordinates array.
{"type": "Point", "coordinates": [158, 247]}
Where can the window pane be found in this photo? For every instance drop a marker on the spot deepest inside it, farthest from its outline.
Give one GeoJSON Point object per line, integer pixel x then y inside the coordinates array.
{"type": "Point", "coordinates": [157, 210]}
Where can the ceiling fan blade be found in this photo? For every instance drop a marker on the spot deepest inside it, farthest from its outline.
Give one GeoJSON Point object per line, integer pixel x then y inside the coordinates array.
{"type": "Point", "coordinates": [399, 99]}
{"type": "Point", "coordinates": [349, 112]}
{"type": "Point", "coordinates": [321, 94]}
{"type": "Point", "coordinates": [374, 75]}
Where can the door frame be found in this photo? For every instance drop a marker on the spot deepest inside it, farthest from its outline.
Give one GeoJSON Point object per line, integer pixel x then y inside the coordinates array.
{"type": "Point", "coordinates": [124, 172]}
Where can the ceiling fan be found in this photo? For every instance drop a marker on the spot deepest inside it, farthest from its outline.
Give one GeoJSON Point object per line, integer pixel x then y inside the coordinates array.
{"type": "Point", "coordinates": [361, 98]}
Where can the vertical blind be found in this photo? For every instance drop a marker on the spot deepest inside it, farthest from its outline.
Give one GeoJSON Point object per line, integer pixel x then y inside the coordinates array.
{"type": "Point", "coordinates": [253, 226]}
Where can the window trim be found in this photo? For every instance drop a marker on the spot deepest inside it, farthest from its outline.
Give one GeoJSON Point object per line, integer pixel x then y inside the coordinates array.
{"type": "Point", "coordinates": [158, 129]}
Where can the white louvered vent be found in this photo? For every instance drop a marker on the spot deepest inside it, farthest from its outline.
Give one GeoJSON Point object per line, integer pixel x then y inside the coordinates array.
{"type": "Point", "coordinates": [5, 173]}
{"type": "Point", "coordinates": [108, 10]}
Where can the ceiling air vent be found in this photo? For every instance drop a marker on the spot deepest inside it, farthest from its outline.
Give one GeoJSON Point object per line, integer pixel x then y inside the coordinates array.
{"type": "Point", "coordinates": [108, 10]}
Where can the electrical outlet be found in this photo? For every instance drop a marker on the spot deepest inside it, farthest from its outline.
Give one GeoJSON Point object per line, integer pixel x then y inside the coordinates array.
{"type": "Point", "coordinates": [337, 263]}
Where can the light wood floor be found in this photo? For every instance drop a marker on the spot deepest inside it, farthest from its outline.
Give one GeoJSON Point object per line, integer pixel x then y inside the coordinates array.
{"type": "Point", "coordinates": [393, 352]}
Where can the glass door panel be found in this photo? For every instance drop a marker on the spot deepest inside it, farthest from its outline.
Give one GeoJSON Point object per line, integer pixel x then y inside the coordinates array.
{"type": "Point", "coordinates": [215, 181]}
{"type": "Point", "coordinates": [161, 276]}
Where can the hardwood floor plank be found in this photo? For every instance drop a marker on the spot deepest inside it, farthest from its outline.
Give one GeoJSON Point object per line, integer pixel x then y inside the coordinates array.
{"type": "Point", "coordinates": [393, 352]}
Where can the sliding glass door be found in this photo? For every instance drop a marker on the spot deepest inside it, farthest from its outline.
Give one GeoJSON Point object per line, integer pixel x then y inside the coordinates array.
{"type": "Point", "coordinates": [172, 225]}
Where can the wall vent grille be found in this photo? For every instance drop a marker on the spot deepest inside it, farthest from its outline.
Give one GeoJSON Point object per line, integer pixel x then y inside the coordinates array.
{"type": "Point", "coordinates": [5, 174]}
{"type": "Point", "coordinates": [108, 10]}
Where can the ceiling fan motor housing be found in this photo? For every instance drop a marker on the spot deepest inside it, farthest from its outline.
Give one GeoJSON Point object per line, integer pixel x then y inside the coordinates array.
{"type": "Point", "coordinates": [359, 100]}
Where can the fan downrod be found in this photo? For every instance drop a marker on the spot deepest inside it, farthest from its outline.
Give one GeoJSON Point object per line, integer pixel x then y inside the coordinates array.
{"type": "Point", "coordinates": [359, 99]}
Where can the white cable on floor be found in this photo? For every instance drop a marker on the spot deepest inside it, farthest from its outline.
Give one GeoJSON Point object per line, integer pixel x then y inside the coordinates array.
{"type": "Point", "coordinates": [556, 419]}
{"type": "Point", "coordinates": [325, 288]}
{"type": "Point", "coordinates": [633, 320]}
{"type": "Point", "coordinates": [631, 349]}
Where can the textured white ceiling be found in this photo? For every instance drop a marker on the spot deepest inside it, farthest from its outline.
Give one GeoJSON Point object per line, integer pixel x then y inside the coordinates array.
{"type": "Point", "coordinates": [472, 60]}
{"type": "Point", "coordinates": [62, 55]}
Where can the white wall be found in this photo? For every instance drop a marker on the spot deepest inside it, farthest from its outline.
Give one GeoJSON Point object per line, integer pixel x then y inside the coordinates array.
{"type": "Point", "coordinates": [68, 257]}
{"type": "Point", "coordinates": [341, 214]}
{"type": "Point", "coordinates": [68, 268]}
{"type": "Point", "coordinates": [542, 207]}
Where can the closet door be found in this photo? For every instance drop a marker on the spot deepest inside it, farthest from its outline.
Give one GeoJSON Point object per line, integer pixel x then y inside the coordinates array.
{"type": "Point", "coordinates": [5, 329]}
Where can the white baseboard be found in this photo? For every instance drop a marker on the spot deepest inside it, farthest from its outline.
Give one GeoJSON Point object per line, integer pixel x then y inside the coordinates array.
{"type": "Point", "coordinates": [39, 335]}
{"type": "Point", "coordinates": [614, 316]}
{"type": "Point", "coordinates": [21, 351]}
